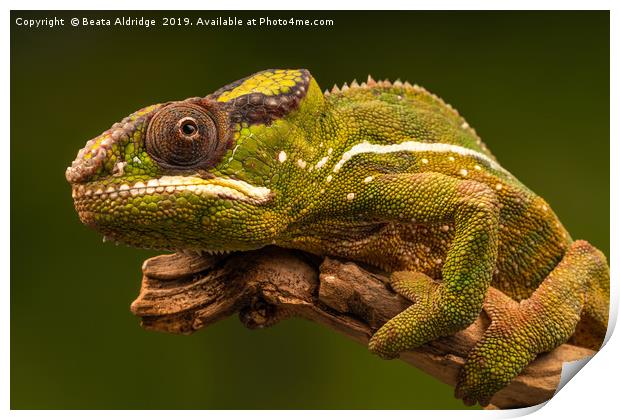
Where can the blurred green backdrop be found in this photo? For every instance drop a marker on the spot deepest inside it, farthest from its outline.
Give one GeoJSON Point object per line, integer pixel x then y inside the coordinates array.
{"type": "Point", "coordinates": [535, 86]}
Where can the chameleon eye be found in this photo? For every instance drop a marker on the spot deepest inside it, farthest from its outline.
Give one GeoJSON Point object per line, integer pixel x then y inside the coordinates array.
{"type": "Point", "coordinates": [188, 127]}
{"type": "Point", "coordinates": [182, 135]}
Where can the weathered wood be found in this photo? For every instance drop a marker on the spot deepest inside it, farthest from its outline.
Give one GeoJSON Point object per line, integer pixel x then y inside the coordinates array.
{"type": "Point", "coordinates": [183, 293]}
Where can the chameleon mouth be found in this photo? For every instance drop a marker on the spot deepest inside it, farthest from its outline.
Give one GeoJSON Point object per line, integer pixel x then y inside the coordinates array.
{"type": "Point", "coordinates": [229, 189]}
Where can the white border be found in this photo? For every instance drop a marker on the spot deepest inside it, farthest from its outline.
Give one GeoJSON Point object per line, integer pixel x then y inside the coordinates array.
{"type": "Point", "coordinates": [314, 5]}
{"type": "Point", "coordinates": [592, 395]}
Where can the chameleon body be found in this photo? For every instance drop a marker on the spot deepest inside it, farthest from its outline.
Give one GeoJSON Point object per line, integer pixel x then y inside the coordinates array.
{"type": "Point", "coordinates": [383, 173]}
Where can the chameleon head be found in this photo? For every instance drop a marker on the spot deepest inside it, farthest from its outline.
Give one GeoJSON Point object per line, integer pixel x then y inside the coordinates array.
{"type": "Point", "coordinates": [199, 174]}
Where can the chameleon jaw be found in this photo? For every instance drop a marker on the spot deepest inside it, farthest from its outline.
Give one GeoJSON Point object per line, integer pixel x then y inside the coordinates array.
{"type": "Point", "coordinates": [129, 213]}
{"type": "Point", "coordinates": [224, 188]}
{"type": "Point", "coordinates": [189, 252]}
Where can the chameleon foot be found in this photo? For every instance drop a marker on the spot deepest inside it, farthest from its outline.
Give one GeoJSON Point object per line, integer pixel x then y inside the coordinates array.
{"type": "Point", "coordinates": [499, 356]}
{"type": "Point", "coordinates": [519, 331]}
{"type": "Point", "coordinates": [417, 324]}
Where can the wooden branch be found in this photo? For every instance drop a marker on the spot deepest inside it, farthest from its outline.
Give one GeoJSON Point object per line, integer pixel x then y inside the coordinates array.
{"type": "Point", "coordinates": [183, 293]}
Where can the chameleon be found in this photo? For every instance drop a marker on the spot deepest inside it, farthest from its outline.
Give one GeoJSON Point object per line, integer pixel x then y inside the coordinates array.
{"type": "Point", "coordinates": [382, 173]}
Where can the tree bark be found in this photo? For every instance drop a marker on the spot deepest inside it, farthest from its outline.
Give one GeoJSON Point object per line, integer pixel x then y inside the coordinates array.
{"type": "Point", "coordinates": [184, 293]}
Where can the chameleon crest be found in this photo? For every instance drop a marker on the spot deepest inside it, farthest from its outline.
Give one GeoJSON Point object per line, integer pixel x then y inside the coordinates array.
{"type": "Point", "coordinates": [378, 172]}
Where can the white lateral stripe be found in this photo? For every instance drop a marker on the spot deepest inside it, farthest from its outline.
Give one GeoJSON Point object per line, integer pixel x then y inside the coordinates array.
{"type": "Point", "coordinates": [216, 187]}
{"type": "Point", "coordinates": [415, 146]}
{"type": "Point", "coordinates": [249, 190]}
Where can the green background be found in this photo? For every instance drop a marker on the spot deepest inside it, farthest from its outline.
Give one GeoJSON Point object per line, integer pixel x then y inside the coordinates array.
{"type": "Point", "coordinates": [535, 86]}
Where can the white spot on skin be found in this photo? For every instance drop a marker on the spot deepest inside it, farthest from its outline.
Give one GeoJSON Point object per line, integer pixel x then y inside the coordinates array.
{"type": "Point", "coordinates": [350, 196]}
{"type": "Point", "coordinates": [425, 161]}
{"type": "Point", "coordinates": [445, 228]}
{"type": "Point", "coordinates": [451, 158]}
{"type": "Point", "coordinates": [137, 160]}
{"type": "Point", "coordinates": [478, 168]}
{"type": "Point", "coordinates": [232, 156]}
{"type": "Point", "coordinates": [498, 187]}
{"type": "Point", "coordinates": [301, 164]}
{"type": "Point", "coordinates": [119, 169]}
{"type": "Point", "coordinates": [322, 162]}
{"type": "Point", "coordinates": [544, 208]}
{"type": "Point", "coordinates": [328, 179]}
{"type": "Point", "coordinates": [414, 146]}
{"type": "Point", "coordinates": [463, 172]}
{"type": "Point", "coordinates": [282, 156]}
{"type": "Point", "coordinates": [329, 151]}
{"type": "Point", "coordinates": [368, 179]}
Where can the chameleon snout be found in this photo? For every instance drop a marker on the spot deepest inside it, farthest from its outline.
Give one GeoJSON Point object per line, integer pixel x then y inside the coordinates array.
{"type": "Point", "coordinates": [103, 155]}
{"type": "Point", "coordinates": [92, 158]}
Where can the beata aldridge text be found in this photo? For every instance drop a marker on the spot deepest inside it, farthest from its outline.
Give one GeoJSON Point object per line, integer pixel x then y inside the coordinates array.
{"type": "Point", "coordinates": [121, 21]}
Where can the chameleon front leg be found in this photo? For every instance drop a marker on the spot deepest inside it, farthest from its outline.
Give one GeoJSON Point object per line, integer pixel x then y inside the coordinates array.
{"type": "Point", "coordinates": [440, 308]}
{"type": "Point", "coordinates": [519, 331]}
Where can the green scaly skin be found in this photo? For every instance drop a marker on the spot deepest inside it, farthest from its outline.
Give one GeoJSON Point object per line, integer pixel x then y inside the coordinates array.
{"type": "Point", "coordinates": [383, 173]}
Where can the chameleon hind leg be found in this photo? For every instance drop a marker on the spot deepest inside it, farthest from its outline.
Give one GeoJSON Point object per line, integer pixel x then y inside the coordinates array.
{"type": "Point", "coordinates": [440, 308]}
{"type": "Point", "coordinates": [521, 330]}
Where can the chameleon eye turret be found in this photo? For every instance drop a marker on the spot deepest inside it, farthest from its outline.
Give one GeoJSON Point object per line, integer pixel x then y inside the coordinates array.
{"type": "Point", "coordinates": [378, 172]}
{"type": "Point", "coordinates": [184, 136]}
